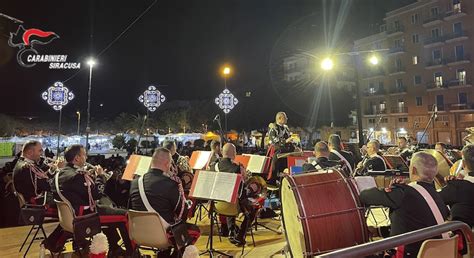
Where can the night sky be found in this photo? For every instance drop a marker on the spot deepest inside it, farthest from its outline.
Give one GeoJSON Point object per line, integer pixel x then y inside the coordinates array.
{"type": "Point", "coordinates": [178, 43]}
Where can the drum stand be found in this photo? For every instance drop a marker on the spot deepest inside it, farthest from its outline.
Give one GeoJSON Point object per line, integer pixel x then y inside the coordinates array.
{"type": "Point", "coordinates": [211, 251]}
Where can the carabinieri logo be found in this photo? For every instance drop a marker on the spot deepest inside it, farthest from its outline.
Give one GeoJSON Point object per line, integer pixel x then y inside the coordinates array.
{"type": "Point", "coordinates": [25, 40]}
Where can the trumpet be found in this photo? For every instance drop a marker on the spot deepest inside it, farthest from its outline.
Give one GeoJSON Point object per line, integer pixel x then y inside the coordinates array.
{"type": "Point", "coordinates": [50, 161]}
{"type": "Point", "coordinates": [92, 171]}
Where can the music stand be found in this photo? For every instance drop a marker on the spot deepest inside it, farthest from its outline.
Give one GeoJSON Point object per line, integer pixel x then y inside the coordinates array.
{"type": "Point", "coordinates": [212, 186]}
{"type": "Point", "coordinates": [396, 162]}
{"type": "Point", "coordinates": [210, 250]}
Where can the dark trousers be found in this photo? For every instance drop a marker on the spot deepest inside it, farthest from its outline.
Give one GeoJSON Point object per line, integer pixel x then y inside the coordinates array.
{"type": "Point", "coordinates": [193, 232]}
{"type": "Point", "coordinates": [249, 212]}
{"type": "Point", "coordinates": [110, 228]}
{"type": "Point", "coordinates": [56, 240]}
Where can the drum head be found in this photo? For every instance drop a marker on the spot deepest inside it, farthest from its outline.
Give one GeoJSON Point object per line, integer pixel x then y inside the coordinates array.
{"type": "Point", "coordinates": [291, 222]}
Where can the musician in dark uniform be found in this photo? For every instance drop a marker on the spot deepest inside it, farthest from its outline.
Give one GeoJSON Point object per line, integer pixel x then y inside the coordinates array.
{"type": "Point", "coordinates": [216, 153]}
{"type": "Point", "coordinates": [279, 139]}
{"type": "Point", "coordinates": [82, 188]}
{"type": "Point", "coordinates": [373, 161]}
{"type": "Point", "coordinates": [338, 153]}
{"type": "Point", "coordinates": [403, 149]}
{"type": "Point", "coordinates": [227, 164]}
{"type": "Point", "coordinates": [443, 148]}
{"type": "Point", "coordinates": [33, 181]}
{"type": "Point", "coordinates": [459, 194]}
{"type": "Point", "coordinates": [28, 178]}
{"type": "Point", "coordinates": [321, 152]}
{"type": "Point", "coordinates": [163, 193]}
{"type": "Point", "coordinates": [409, 210]}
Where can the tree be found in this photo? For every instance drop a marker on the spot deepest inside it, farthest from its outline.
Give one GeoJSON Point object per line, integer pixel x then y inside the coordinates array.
{"type": "Point", "coordinates": [131, 145]}
{"type": "Point", "coordinates": [182, 119]}
{"type": "Point", "coordinates": [122, 122]}
{"type": "Point", "coordinates": [118, 142]}
{"type": "Point", "coordinates": [8, 125]}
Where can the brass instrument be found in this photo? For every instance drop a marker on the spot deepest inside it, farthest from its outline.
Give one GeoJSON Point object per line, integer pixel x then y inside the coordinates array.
{"type": "Point", "coordinates": [91, 170]}
{"type": "Point", "coordinates": [50, 161]}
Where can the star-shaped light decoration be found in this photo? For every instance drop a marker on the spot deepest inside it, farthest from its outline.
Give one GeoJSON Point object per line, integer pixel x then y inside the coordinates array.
{"type": "Point", "coordinates": [152, 98]}
{"type": "Point", "coordinates": [57, 96]}
{"type": "Point", "coordinates": [226, 101]}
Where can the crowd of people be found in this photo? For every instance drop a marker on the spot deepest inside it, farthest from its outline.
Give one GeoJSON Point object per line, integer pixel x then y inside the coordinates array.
{"type": "Point", "coordinates": [89, 188]}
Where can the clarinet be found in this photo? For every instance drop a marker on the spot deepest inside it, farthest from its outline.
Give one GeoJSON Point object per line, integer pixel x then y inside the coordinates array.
{"type": "Point", "coordinates": [357, 170]}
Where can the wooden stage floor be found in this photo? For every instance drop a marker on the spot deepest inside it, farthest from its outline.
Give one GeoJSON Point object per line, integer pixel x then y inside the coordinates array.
{"type": "Point", "coordinates": [268, 243]}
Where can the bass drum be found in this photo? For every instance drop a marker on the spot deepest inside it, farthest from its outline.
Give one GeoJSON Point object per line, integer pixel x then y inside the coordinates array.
{"type": "Point", "coordinates": [321, 213]}
{"type": "Point", "coordinates": [444, 165]}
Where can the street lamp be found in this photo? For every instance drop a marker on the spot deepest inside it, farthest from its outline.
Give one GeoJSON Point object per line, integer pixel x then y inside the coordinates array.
{"type": "Point", "coordinates": [374, 60]}
{"type": "Point", "coordinates": [327, 64]}
{"type": "Point", "coordinates": [151, 98]}
{"type": "Point", "coordinates": [78, 122]}
{"type": "Point", "coordinates": [58, 96]}
{"type": "Point", "coordinates": [225, 72]}
{"type": "Point", "coordinates": [91, 63]}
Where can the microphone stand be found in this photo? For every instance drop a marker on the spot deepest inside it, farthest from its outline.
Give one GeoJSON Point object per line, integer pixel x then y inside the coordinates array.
{"type": "Point", "coordinates": [141, 132]}
{"type": "Point", "coordinates": [376, 126]}
{"type": "Point", "coordinates": [221, 132]}
{"type": "Point", "coordinates": [432, 118]}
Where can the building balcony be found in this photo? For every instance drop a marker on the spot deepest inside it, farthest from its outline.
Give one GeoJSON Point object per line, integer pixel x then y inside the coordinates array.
{"type": "Point", "coordinates": [433, 20]}
{"type": "Point", "coordinates": [461, 107]}
{"type": "Point", "coordinates": [376, 112]}
{"type": "Point", "coordinates": [345, 78]}
{"type": "Point", "coordinates": [434, 41]}
{"type": "Point", "coordinates": [440, 107]}
{"type": "Point", "coordinates": [399, 110]}
{"type": "Point", "coordinates": [372, 73]}
{"type": "Point", "coordinates": [436, 63]}
{"type": "Point", "coordinates": [395, 30]}
{"type": "Point", "coordinates": [456, 36]}
{"type": "Point", "coordinates": [457, 12]}
{"type": "Point", "coordinates": [459, 83]}
{"type": "Point", "coordinates": [396, 50]}
{"type": "Point", "coordinates": [465, 59]}
{"type": "Point", "coordinates": [432, 86]}
{"type": "Point", "coordinates": [397, 70]}
{"type": "Point", "coordinates": [293, 70]}
{"type": "Point", "coordinates": [398, 90]}
{"type": "Point", "coordinates": [374, 92]}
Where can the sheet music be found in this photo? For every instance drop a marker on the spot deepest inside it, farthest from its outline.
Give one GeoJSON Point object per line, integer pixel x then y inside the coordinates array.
{"type": "Point", "coordinates": [365, 182]}
{"type": "Point", "coordinates": [256, 163]}
{"type": "Point", "coordinates": [143, 165]}
{"type": "Point", "coordinates": [212, 185]}
{"type": "Point", "coordinates": [206, 183]}
{"type": "Point", "coordinates": [203, 158]}
{"type": "Point", "coordinates": [224, 185]}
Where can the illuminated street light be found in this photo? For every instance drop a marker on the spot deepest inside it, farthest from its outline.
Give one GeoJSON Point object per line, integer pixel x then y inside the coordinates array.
{"type": "Point", "coordinates": [91, 62]}
{"type": "Point", "coordinates": [226, 70]}
{"type": "Point", "coordinates": [327, 64]}
{"type": "Point", "coordinates": [374, 60]}
{"type": "Point", "coordinates": [78, 122]}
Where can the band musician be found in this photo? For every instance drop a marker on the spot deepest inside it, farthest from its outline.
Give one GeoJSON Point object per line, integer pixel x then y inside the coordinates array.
{"type": "Point", "coordinates": [372, 161]}
{"type": "Point", "coordinates": [321, 152]}
{"type": "Point", "coordinates": [338, 153]}
{"type": "Point", "coordinates": [227, 164]}
{"type": "Point", "coordinates": [409, 209]}
{"type": "Point", "coordinates": [279, 142]}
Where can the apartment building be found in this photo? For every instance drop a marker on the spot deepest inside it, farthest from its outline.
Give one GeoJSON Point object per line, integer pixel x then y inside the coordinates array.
{"type": "Point", "coordinates": [425, 50]}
